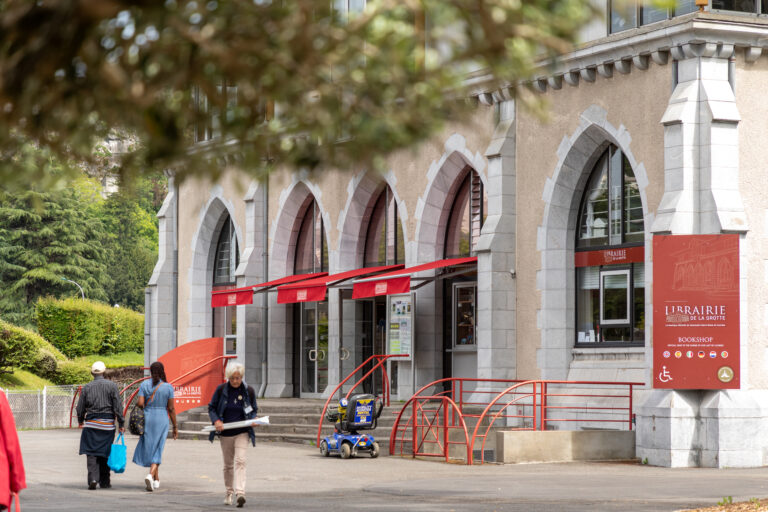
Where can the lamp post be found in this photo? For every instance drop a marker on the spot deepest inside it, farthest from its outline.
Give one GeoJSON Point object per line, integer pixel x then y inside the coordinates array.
{"type": "Point", "coordinates": [71, 281]}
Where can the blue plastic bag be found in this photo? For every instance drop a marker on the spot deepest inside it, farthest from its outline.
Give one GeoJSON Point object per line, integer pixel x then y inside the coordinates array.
{"type": "Point", "coordinates": [117, 455]}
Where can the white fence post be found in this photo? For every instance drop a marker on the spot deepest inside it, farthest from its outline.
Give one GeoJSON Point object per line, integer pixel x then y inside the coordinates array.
{"type": "Point", "coordinates": [45, 403]}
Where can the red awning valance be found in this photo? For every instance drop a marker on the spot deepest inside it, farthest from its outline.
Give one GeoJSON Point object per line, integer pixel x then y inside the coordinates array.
{"type": "Point", "coordinates": [314, 289]}
{"type": "Point", "coordinates": [399, 281]}
{"type": "Point", "coordinates": [244, 295]}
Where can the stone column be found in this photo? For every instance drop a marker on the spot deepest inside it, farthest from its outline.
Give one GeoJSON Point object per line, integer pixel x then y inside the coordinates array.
{"type": "Point", "coordinates": [496, 286]}
{"type": "Point", "coordinates": [250, 271]}
{"type": "Point", "coordinates": [679, 428]}
{"type": "Point", "coordinates": [159, 307]}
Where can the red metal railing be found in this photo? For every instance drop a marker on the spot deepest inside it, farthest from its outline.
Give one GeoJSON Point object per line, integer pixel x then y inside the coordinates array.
{"type": "Point", "coordinates": [466, 393]}
{"type": "Point", "coordinates": [133, 395]}
{"type": "Point", "coordinates": [380, 363]}
{"type": "Point", "coordinates": [433, 419]}
{"type": "Point", "coordinates": [130, 399]}
{"type": "Point", "coordinates": [523, 405]}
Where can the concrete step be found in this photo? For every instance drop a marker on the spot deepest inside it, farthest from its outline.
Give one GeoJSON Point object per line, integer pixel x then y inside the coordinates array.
{"type": "Point", "coordinates": [291, 420]}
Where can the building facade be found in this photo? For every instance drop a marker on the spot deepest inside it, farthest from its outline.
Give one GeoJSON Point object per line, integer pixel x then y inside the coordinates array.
{"type": "Point", "coordinates": [654, 127]}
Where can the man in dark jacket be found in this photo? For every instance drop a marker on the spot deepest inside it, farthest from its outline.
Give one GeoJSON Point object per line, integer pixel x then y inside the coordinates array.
{"type": "Point", "coordinates": [98, 407]}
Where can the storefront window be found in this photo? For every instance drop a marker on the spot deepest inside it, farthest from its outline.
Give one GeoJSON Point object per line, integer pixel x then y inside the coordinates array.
{"type": "Point", "coordinates": [470, 207]}
{"type": "Point", "coordinates": [610, 273]}
{"type": "Point", "coordinates": [384, 243]}
{"type": "Point", "coordinates": [311, 246]}
{"type": "Point", "coordinates": [224, 265]}
{"type": "Point", "coordinates": [464, 302]}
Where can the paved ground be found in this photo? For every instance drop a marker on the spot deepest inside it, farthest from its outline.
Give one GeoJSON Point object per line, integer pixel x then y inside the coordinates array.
{"type": "Point", "coordinates": [295, 477]}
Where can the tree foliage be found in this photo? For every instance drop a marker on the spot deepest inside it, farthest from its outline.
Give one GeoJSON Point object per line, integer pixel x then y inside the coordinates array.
{"type": "Point", "coordinates": [131, 225]}
{"type": "Point", "coordinates": [314, 86]}
{"type": "Point", "coordinates": [44, 237]}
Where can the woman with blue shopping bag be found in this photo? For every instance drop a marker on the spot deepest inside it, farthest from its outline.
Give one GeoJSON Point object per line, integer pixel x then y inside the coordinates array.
{"type": "Point", "coordinates": [156, 398]}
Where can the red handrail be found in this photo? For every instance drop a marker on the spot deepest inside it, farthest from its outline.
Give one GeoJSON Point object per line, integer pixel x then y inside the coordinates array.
{"type": "Point", "coordinates": [133, 395]}
{"type": "Point", "coordinates": [72, 407]}
{"type": "Point", "coordinates": [537, 397]}
{"type": "Point", "coordinates": [446, 405]}
{"type": "Point", "coordinates": [385, 381]}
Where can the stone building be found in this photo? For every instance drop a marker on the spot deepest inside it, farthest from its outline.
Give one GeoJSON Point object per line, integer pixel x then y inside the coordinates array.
{"type": "Point", "coordinates": [654, 127]}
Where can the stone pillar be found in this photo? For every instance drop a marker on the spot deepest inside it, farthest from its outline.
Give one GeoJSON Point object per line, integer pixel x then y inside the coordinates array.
{"type": "Point", "coordinates": [250, 271]}
{"type": "Point", "coordinates": [680, 428]}
{"type": "Point", "coordinates": [496, 286]}
{"type": "Point", "coordinates": [162, 328]}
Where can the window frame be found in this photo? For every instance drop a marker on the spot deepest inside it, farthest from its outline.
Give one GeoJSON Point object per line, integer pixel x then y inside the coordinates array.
{"type": "Point", "coordinates": [619, 322]}
{"type": "Point", "coordinates": [474, 231]}
{"type": "Point", "coordinates": [603, 164]}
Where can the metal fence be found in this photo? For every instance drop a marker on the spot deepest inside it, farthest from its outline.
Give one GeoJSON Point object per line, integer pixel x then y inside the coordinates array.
{"type": "Point", "coordinates": [48, 407]}
{"type": "Point", "coordinates": [41, 408]}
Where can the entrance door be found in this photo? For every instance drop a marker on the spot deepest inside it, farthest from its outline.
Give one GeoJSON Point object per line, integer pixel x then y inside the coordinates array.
{"type": "Point", "coordinates": [314, 348]}
{"type": "Point", "coordinates": [363, 334]}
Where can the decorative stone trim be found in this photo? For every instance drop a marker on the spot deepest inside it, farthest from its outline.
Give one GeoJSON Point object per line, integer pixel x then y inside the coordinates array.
{"type": "Point", "coordinates": [686, 37]}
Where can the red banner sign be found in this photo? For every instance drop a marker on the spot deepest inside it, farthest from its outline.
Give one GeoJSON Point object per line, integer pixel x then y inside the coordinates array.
{"type": "Point", "coordinates": [195, 389]}
{"type": "Point", "coordinates": [609, 256]}
{"type": "Point", "coordinates": [696, 312]}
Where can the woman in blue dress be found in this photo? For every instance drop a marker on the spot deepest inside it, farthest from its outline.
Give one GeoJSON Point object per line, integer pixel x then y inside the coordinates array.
{"type": "Point", "coordinates": [156, 397]}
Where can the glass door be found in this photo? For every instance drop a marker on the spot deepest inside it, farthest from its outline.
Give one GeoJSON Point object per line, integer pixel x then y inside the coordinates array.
{"type": "Point", "coordinates": [357, 336]}
{"type": "Point", "coordinates": [314, 348]}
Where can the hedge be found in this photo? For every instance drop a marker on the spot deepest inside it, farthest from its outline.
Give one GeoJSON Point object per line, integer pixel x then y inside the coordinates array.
{"type": "Point", "coordinates": [24, 349]}
{"type": "Point", "coordinates": [80, 327]}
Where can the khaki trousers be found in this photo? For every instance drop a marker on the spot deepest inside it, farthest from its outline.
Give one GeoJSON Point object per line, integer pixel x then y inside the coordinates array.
{"type": "Point", "coordinates": [233, 450]}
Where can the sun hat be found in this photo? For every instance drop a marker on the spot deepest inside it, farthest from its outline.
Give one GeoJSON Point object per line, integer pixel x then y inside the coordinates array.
{"type": "Point", "coordinates": [98, 367]}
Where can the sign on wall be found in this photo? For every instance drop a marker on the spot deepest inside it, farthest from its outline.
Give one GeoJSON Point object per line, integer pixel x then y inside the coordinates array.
{"type": "Point", "coordinates": [196, 389]}
{"type": "Point", "coordinates": [400, 332]}
{"type": "Point", "coordinates": [696, 312]}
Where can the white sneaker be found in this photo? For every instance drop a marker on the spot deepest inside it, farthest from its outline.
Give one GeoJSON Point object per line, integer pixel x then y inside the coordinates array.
{"type": "Point", "coordinates": [156, 484]}
{"type": "Point", "coordinates": [228, 498]}
{"type": "Point", "coordinates": [148, 482]}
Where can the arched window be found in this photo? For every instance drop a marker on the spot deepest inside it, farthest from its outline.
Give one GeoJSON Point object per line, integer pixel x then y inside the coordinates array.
{"type": "Point", "coordinates": [227, 255]}
{"type": "Point", "coordinates": [470, 207]}
{"type": "Point", "coordinates": [384, 244]}
{"type": "Point", "coordinates": [311, 246]}
{"type": "Point", "coordinates": [610, 269]}
{"type": "Point", "coordinates": [225, 263]}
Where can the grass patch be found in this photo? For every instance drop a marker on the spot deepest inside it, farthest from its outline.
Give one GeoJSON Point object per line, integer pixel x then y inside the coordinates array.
{"type": "Point", "coordinates": [118, 360]}
{"type": "Point", "coordinates": [22, 379]}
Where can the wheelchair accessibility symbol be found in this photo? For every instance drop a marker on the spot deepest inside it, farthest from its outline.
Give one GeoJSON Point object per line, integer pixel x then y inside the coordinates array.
{"type": "Point", "coordinates": [664, 375]}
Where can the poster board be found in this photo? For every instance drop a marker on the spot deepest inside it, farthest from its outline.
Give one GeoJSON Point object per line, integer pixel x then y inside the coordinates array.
{"type": "Point", "coordinates": [400, 316]}
{"type": "Point", "coordinates": [696, 316]}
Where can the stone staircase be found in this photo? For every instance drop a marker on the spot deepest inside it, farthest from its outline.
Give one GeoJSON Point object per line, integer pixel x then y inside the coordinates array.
{"type": "Point", "coordinates": [291, 420]}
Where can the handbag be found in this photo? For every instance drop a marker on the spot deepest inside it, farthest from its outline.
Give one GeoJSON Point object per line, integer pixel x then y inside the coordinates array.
{"type": "Point", "coordinates": [117, 455]}
{"type": "Point", "coordinates": [136, 418]}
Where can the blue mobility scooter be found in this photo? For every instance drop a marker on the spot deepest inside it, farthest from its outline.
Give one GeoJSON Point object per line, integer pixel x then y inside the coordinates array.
{"type": "Point", "coordinates": [360, 412]}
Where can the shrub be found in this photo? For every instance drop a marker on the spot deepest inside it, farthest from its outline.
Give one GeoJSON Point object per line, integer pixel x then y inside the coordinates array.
{"type": "Point", "coordinates": [21, 348]}
{"type": "Point", "coordinates": [79, 327]}
{"type": "Point", "coordinates": [71, 372]}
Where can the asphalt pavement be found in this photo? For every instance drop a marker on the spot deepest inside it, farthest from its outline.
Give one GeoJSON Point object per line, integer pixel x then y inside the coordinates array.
{"type": "Point", "coordinates": [288, 477]}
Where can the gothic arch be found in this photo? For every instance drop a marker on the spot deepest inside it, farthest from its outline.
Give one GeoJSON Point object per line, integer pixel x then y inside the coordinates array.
{"type": "Point", "coordinates": [562, 195]}
{"type": "Point", "coordinates": [285, 229]}
{"type": "Point", "coordinates": [200, 276]}
{"type": "Point", "coordinates": [443, 180]}
{"type": "Point", "coordinates": [362, 192]}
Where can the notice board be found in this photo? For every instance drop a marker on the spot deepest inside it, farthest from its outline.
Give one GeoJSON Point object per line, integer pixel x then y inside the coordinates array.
{"type": "Point", "coordinates": [400, 332]}
{"type": "Point", "coordinates": [696, 312]}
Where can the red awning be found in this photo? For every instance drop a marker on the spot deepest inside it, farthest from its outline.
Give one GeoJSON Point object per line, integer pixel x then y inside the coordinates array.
{"type": "Point", "coordinates": [314, 289]}
{"type": "Point", "coordinates": [399, 281]}
{"type": "Point", "coordinates": [244, 295]}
